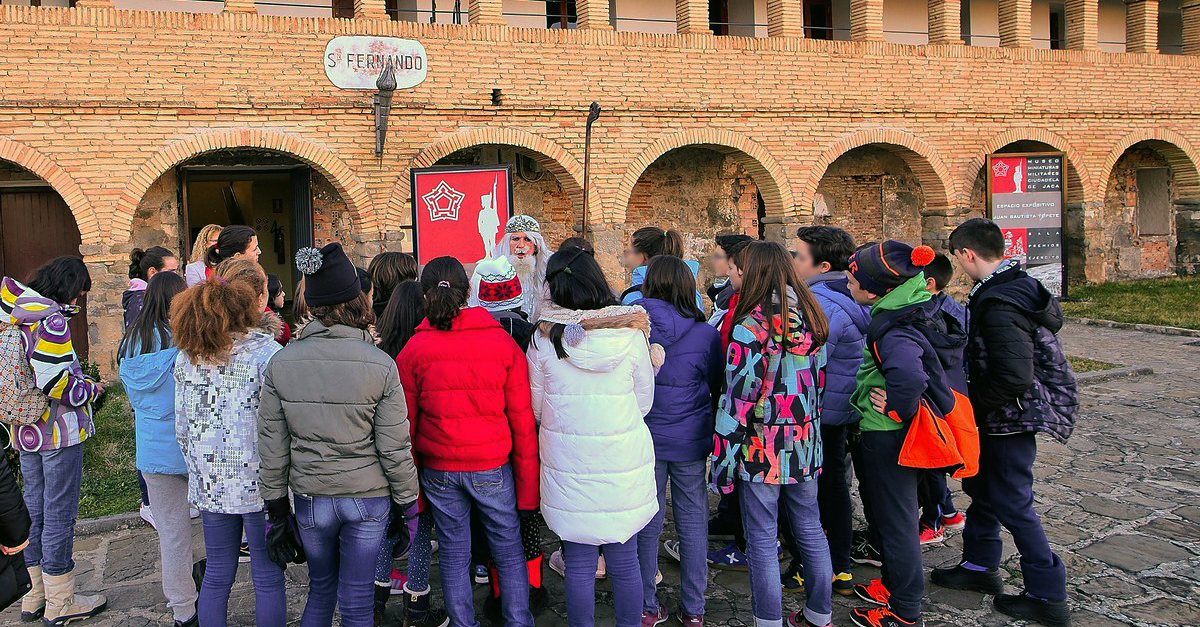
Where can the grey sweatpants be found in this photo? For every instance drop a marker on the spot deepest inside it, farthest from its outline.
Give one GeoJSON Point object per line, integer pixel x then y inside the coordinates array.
{"type": "Point", "coordinates": [169, 504]}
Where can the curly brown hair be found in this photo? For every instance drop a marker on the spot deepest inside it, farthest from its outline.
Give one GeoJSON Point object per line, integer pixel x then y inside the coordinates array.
{"type": "Point", "coordinates": [243, 271]}
{"type": "Point", "coordinates": [206, 317]}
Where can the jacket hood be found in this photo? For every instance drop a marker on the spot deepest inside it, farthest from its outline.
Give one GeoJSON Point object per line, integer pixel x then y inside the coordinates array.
{"type": "Point", "coordinates": [468, 318]}
{"type": "Point", "coordinates": [910, 292]}
{"type": "Point", "coordinates": [148, 372]}
{"type": "Point", "coordinates": [835, 287]}
{"type": "Point", "coordinates": [270, 322]}
{"type": "Point", "coordinates": [338, 331]}
{"type": "Point", "coordinates": [1024, 292]}
{"type": "Point", "coordinates": [254, 339]}
{"type": "Point", "coordinates": [587, 345]}
{"type": "Point", "coordinates": [26, 306]}
{"type": "Point", "coordinates": [639, 273]}
{"type": "Point", "coordinates": [666, 325]}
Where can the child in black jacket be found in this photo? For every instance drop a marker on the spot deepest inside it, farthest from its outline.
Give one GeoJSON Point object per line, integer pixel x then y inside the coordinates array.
{"type": "Point", "coordinates": [1020, 384]}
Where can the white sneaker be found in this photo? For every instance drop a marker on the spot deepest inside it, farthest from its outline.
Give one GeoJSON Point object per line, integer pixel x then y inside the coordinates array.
{"type": "Point", "coordinates": [147, 515]}
{"type": "Point", "coordinates": [672, 548]}
{"type": "Point", "coordinates": [559, 566]}
{"type": "Point", "coordinates": [194, 513]}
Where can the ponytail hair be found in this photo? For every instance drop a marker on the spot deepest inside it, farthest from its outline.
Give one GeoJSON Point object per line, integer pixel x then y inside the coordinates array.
{"type": "Point", "coordinates": [140, 261]}
{"type": "Point", "coordinates": [232, 241]}
{"type": "Point", "coordinates": [652, 241]}
{"type": "Point", "coordinates": [205, 318]}
{"type": "Point", "coordinates": [445, 283]}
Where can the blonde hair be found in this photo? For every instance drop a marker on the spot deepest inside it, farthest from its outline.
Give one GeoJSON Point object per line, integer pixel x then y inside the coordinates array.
{"type": "Point", "coordinates": [200, 247]}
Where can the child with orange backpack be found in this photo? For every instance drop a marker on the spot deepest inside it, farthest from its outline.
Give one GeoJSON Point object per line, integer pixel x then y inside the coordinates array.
{"type": "Point", "coordinates": [902, 376]}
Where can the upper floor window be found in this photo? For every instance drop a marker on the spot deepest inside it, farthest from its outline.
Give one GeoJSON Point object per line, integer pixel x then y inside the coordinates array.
{"type": "Point", "coordinates": [561, 14]}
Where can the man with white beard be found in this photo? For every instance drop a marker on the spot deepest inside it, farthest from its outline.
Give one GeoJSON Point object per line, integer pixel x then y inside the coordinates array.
{"type": "Point", "coordinates": [526, 250]}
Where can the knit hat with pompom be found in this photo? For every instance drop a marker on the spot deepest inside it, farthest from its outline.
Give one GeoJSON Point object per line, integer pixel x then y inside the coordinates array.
{"type": "Point", "coordinates": [329, 277]}
{"type": "Point", "coordinates": [882, 267]}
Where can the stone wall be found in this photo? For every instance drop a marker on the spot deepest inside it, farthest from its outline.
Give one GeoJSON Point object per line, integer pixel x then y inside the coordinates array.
{"type": "Point", "coordinates": [871, 193]}
{"type": "Point", "coordinates": [251, 81]}
{"type": "Point", "coordinates": [1129, 254]}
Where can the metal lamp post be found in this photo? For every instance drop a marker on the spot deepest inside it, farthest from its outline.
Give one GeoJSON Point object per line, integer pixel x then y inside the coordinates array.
{"type": "Point", "coordinates": [383, 105]}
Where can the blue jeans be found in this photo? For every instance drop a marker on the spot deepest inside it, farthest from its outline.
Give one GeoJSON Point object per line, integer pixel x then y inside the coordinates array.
{"type": "Point", "coordinates": [222, 536]}
{"type": "Point", "coordinates": [761, 504]}
{"type": "Point", "coordinates": [52, 497]}
{"type": "Point", "coordinates": [493, 493]}
{"type": "Point", "coordinates": [689, 499]}
{"type": "Point", "coordinates": [1002, 496]}
{"type": "Point", "coordinates": [341, 541]}
{"type": "Point", "coordinates": [579, 582]}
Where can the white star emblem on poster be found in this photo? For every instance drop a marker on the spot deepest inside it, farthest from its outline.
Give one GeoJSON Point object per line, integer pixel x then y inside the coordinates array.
{"type": "Point", "coordinates": [443, 202]}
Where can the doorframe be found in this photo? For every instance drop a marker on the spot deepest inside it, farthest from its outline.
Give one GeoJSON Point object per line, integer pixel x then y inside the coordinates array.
{"type": "Point", "coordinates": [302, 214]}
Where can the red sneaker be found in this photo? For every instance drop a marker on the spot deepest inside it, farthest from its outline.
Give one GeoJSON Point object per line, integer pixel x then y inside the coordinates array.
{"type": "Point", "coordinates": [955, 521]}
{"type": "Point", "coordinates": [873, 592]}
{"type": "Point", "coordinates": [932, 536]}
{"type": "Point", "coordinates": [880, 617]}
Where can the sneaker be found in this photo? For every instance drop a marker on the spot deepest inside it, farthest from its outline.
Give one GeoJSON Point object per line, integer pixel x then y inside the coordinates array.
{"type": "Point", "coordinates": [843, 584]}
{"type": "Point", "coordinates": [863, 552]}
{"type": "Point", "coordinates": [793, 578]}
{"type": "Point", "coordinates": [147, 515]}
{"type": "Point", "coordinates": [873, 592]}
{"type": "Point", "coordinates": [955, 521]}
{"type": "Point", "coordinates": [650, 619]}
{"type": "Point", "coordinates": [397, 581]}
{"type": "Point", "coordinates": [559, 566]}
{"type": "Point", "coordinates": [1025, 607]}
{"type": "Point", "coordinates": [960, 578]}
{"type": "Point", "coordinates": [658, 577]}
{"type": "Point", "coordinates": [932, 536]}
{"type": "Point", "coordinates": [798, 619]}
{"type": "Point", "coordinates": [880, 617]}
{"type": "Point", "coordinates": [480, 574]}
{"type": "Point", "coordinates": [672, 548]}
{"type": "Point", "coordinates": [244, 553]}
{"type": "Point", "coordinates": [194, 513]}
{"type": "Point", "coordinates": [728, 558]}
{"type": "Point", "coordinates": [691, 621]}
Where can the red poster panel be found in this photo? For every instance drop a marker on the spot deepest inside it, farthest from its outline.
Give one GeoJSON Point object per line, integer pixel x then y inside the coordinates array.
{"type": "Point", "coordinates": [459, 211]}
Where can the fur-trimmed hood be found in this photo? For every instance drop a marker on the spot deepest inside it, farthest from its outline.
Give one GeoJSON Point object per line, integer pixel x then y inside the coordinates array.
{"type": "Point", "coordinates": [579, 336]}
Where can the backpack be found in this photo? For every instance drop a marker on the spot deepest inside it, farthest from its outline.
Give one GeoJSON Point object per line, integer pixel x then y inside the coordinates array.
{"type": "Point", "coordinates": [938, 441]}
{"type": "Point", "coordinates": [28, 404]}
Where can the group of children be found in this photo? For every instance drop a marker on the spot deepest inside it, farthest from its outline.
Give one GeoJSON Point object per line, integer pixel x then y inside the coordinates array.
{"type": "Point", "coordinates": [396, 412]}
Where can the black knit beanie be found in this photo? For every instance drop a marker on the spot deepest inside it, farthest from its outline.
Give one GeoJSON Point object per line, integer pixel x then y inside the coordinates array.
{"type": "Point", "coordinates": [329, 277]}
{"type": "Point", "coordinates": [881, 268]}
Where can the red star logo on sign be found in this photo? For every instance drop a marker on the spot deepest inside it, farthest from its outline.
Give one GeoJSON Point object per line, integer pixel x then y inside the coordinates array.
{"type": "Point", "coordinates": [443, 202]}
{"type": "Point", "coordinates": [1000, 169]}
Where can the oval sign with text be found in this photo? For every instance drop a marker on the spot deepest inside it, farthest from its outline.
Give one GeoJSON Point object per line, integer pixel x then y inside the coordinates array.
{"type": "Point", "coordinates": [355, 62]}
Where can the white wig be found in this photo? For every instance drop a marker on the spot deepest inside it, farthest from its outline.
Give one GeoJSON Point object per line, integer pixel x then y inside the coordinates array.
{"type": "Point", "coordinates": [532, 285]}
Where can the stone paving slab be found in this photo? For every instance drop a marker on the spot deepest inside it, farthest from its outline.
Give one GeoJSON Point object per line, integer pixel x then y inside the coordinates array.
{"type": "Point", "coordinates": [1119, 502]}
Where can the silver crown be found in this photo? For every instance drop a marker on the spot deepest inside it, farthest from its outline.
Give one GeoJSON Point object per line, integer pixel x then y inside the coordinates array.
{"type": "Point", "coordinates": [522, 224]}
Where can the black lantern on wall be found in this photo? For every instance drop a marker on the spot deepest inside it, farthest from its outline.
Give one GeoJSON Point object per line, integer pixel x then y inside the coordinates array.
{"type": "Point", "coordinates": [383, 105]}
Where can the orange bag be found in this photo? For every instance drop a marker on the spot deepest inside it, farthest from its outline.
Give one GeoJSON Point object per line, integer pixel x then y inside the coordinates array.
{"type": "Point", "coordinates": [935, 441]}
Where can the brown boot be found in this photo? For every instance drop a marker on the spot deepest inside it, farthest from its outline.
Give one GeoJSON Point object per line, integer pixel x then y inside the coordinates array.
{"type": "Point", "coordinates": [64, 606]}
{"type": "Point", "coordinates": [33, 604]}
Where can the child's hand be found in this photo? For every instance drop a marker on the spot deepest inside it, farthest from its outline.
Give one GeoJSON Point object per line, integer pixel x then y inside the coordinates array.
{"type": "Point", "coordinates": [879, 399]}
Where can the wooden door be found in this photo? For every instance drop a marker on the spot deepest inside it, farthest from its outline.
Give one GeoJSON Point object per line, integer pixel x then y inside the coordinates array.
{"type": "Point", "coordinates": [36, 226]}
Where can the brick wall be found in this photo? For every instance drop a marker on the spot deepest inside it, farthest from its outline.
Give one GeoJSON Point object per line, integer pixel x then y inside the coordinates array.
{"type": "Point", "coordinates": [101, 103]}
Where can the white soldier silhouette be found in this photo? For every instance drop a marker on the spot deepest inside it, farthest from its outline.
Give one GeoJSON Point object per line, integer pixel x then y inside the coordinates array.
{"type": "Point", "coordinates": [1017, 180]}
{"type": "Point", "coordinates": [488, 221]}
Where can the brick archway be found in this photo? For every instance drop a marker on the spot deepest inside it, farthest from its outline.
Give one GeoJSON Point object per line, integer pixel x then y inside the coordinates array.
{"type": "Point", "coordinates": [1077, 173]}
{"type": "Point", "coordinates": [920, 157]}
{"type": "Point", "coordinates": [763, 168]}
{"type": "Point", "coordinates": [58, 179]}
{"type": "Point", "coordinates": [347, 183]}
{"type": "Point", "coordinates": [565, 168]}
{"type": "Point", "coordinates": [1177, 150]}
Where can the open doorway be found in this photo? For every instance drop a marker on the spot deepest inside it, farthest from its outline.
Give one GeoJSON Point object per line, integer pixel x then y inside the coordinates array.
{"type": "Point", "coordinates": [275, 200]}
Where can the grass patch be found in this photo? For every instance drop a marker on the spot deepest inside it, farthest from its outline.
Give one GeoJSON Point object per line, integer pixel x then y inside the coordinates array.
{"type": "Point", "coordinates": [1081, 364]}
{"type": "Point", "coordinates": [110, 483]}
{"type": "Point", "coordinates": [1173, 302]}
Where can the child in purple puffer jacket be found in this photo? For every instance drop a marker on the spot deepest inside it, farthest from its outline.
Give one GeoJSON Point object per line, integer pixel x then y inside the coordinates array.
{"type": "Point", "coordinates": [681, 424]}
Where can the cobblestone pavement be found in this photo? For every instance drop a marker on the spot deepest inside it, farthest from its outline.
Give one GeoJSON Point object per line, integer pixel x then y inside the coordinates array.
{"type": "Point", "coordinates": [1120, 503]}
